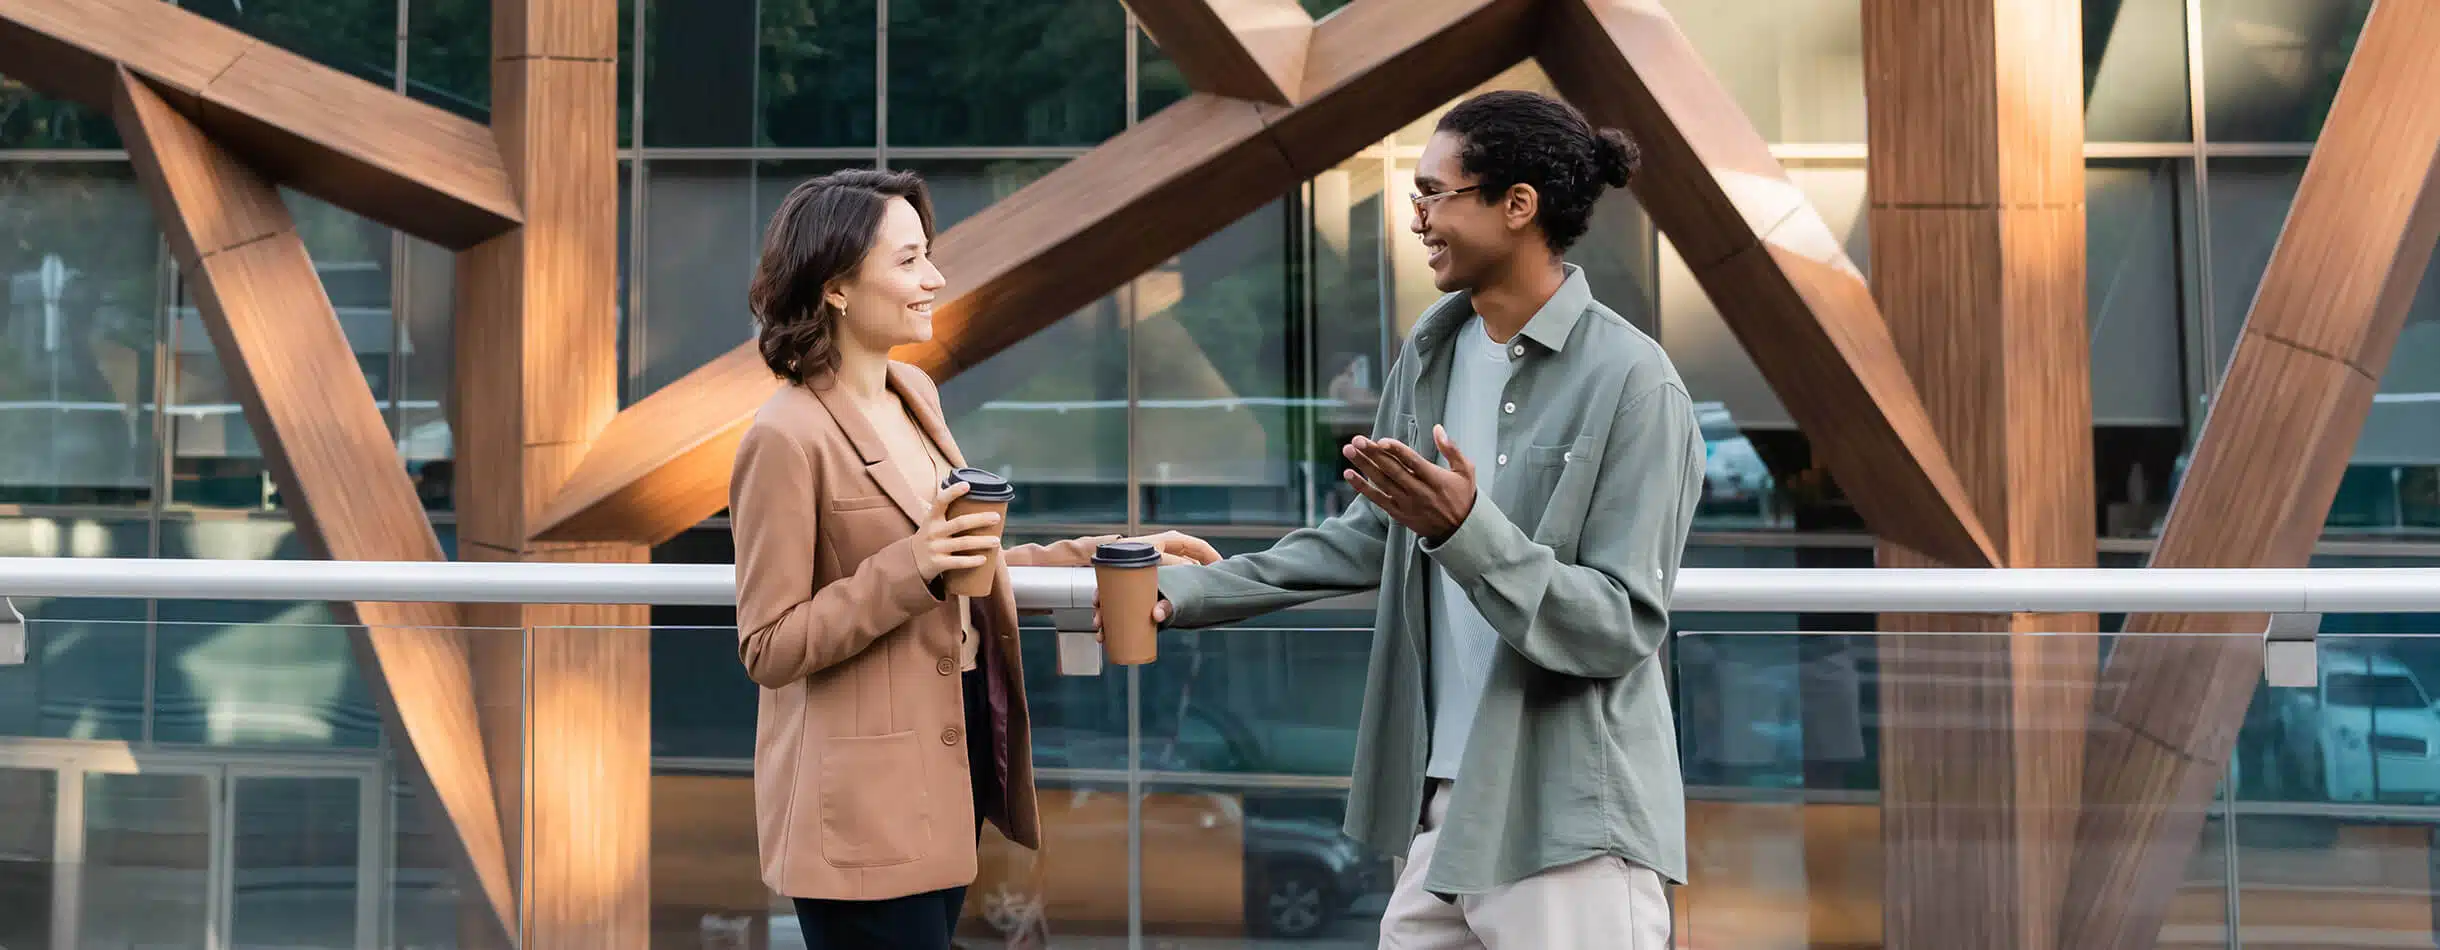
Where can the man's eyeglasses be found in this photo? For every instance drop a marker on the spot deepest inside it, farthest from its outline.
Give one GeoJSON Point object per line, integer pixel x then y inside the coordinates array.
{"type": "Point", "coordinates": [1421, 201]}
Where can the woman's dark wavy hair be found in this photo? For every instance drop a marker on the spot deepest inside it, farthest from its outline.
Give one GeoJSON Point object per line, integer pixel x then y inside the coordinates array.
{"type": "Point", "coordinates": [1515, 137]}
{"type": "Point", "coordinates": [820, 233]}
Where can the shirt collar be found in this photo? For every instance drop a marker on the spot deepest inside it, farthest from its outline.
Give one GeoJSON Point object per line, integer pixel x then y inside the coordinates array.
{"type": "Point", "coordinates": [1550, 326]}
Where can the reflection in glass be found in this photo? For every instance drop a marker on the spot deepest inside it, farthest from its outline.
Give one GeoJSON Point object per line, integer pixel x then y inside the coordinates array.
{"type": "Point", "coordinates": [699, 73]}
{"type": "Point", "coordinates": [427, 891]}
{"type": "Point", "coordinates": [148, 860]}
{"type": "Point", "coordinates": [2135, 71]}
{"type": "Point", "coordinates": [31, 120]}
{"type": "Point", "coordinates": [1006, 72]}
{"type": "Point", "coordinates": [2272, 66]}
{"type": "Point", "coordinates": [28, 868]}
{"type": "Point", "coordinates": [1213, 438]}
{"type": "Point", "coordinates": [815, 72]}
{"type": "Point", "coordinates": [77, 681]}
{"type": "Point", "coordinates": [1343, 344]}
{"type": "Point", "coordinates": [1797, 68]}
{"type": "Point", "coordinates": [217, 461]}
{"type": "Point", "coordinates": [1051, 411]}
{"type": "Point", "coordinates": [2365, 734]}
{"type": "Point", "coordinates": [254, 673]}
{"type": "Point", "coordinates": [78, 282]}
{"type": "Point", "coordinates": [292, 863]}
{"type": "Point", "coordinates": [701, 238]}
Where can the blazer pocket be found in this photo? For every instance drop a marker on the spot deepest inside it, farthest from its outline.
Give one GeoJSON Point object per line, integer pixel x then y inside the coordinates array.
{"type": "Point", "coordinates": [875, 810]}
{"type": "Point", "coordinates": [860, 502]}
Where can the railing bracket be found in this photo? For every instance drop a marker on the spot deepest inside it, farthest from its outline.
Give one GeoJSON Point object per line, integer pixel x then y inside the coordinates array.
{"type": "Point", "coordinates": [12, 634]}
{"type": "Point", "coordinates": [2290, 657]}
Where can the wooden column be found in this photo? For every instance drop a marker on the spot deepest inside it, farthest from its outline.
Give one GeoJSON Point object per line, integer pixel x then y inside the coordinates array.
{"type": "Point", "coordinates": [2265, 468]}
{"type": "Point", "coordinates": [536, 380]}
{"type": "Point", "coordinates": [1976, 178]}
{"type": "Point", "coordinates": [329, 451]}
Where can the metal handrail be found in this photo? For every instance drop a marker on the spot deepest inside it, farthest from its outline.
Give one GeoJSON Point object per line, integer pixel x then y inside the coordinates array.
{"type": "Point", "coordinates": [1773, 590]}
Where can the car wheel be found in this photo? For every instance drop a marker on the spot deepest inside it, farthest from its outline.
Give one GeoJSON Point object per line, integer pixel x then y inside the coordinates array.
{"type": "Point", "coordinates": [1291, 902]}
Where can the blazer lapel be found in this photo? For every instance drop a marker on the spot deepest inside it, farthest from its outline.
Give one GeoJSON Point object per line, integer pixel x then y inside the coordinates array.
{"type": "Point", "coordinates": [868, 446]}
{"type": "Point", "coordinates": [927, 412]}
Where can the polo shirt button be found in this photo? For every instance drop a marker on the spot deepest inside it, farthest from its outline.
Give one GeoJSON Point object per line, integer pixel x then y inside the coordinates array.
{"type": "Point", "coordinates": [1517, 350]}
{"type": "Point", "coordinates": [946, 666]}
{"type": "Point", "coordinates": [1510, 408]}
{"type": "Point", "coordinates": [1503, 459]}
{"type": "Point", "coordinates": [948, 736]}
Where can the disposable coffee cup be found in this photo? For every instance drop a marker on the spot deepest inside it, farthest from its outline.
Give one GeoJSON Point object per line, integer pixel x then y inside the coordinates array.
{"type": "Point", "coordinates": [1123, 572]}
{"type": "Point", "coordinates": [984, 492]}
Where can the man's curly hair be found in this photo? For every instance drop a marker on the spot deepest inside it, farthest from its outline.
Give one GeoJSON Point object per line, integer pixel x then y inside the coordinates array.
{"type": "Point", "coordinates": [1514, 137]}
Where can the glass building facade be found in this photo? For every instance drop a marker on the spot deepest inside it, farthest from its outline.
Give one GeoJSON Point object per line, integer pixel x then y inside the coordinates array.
{"type": "Point", "coordinates": [1209, 395]}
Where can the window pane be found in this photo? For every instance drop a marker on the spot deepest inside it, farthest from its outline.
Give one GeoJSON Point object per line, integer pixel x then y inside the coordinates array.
{"type": "Point", "coordinates": [217, 461]}
{"type": "Point", "coordinates": [449, 58]}
{"type": "Point", "coordinates": [1049, 413]}
{"type": "Point", "coordinates": [77, 681]}
{"type": "Point", "coordinates": [82, 259]}
{"type": "Point", "coordinates": [704, 223]}
{"type": "Point", "coordinates": [2132, 292]}
{"type": "Point", "coordinates": [2272, 66]}
{"type": "Point", "coordinates": [699, 73]}
{"type": "Point", "coordinates": [148, 860]}
{"type": "Point", "coordinates": [1212, 380]}
{"type": "Point", "coordinates": [1797, 67]}
{"type": "Point", "coordinates": [2135, 71]}
{"type": "Point", "coordinates": [1006, 72]}
{"type": "Point", "coordinates": [293, 870]}
{"type": "Point", "coordinates": [254, 673]}
{"type": "Point", "coordinates": [29, 120]}
{"type": "Point", "coordinates": [816, 72]}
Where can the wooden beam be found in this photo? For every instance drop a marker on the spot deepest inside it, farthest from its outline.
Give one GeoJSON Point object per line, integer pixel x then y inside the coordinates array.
{"type": "Point", "coordinates": [351, 143]}
{"type": "Point", "coordinates": [1777, 274]}
{"type": "Point", "coordinates": [1242, 49]}
{"type": "Point", "coordinates": [536, 378]}
{"type": "Point", "coordinates": [328, 448]}
{"type": "Point", "coordinates": [1068, 239]}
{"type": "Point", "coordinates": [2265, 468]}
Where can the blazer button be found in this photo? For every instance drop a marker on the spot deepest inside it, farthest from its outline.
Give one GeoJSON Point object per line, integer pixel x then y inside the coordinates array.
{"type": "Point", "coordinates": [948, 736]}
{"type": "Point", "coordinates": [946, 666]}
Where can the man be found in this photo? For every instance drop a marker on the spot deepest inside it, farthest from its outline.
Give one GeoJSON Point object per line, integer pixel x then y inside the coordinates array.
{"type": "Point", "coordinates": [1526, 495]}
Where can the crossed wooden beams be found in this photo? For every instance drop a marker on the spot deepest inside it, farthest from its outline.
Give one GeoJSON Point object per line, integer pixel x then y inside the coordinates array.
{"type": "Point", "coordinates": [216, 120]}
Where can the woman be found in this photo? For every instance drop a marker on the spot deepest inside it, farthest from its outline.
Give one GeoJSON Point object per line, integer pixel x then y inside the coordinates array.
{"type": "Point", "coordinates": [893, 719]}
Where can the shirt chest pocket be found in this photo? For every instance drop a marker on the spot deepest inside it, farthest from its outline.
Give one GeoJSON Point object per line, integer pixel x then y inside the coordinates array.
{"type": "Point", "coordinates": [857, 526]}
{"type": "Point", "coordinates": [1555, 491]}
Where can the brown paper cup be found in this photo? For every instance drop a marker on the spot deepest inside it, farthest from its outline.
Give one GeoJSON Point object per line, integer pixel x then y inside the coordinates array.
{"type": "Point", "coordinates": [1124, 574]}
{"type": "Point", "coordinates": [977, 581]}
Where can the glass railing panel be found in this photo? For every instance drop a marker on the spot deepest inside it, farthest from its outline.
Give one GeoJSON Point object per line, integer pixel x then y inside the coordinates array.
{"type": "Point", "coordinates": [238, 791]}
{"type": "Point", "coordinates": [2338, 804]}
{"type": "Point", "coordinates": [1789, 742]}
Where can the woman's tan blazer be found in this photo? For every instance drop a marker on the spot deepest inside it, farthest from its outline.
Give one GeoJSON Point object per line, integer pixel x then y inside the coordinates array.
{"type": "Point", "coordinates": [861, 780]}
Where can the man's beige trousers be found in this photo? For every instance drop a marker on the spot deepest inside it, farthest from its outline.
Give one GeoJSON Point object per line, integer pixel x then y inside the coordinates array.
{"type": "Point", "coordinates": [1600, 904]}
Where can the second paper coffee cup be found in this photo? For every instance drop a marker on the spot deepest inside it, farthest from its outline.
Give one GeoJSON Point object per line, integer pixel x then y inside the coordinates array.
{"type": "Point", "coordinates": [984, 492]}
{"type": "Point", "coordinates": [1123, 572]}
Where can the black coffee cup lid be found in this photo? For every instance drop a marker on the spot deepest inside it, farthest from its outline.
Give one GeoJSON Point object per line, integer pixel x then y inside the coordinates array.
{"type": "Point", "coordinates": [1126, 554]}
{"type": "Point", "coordinates": [981, 485]}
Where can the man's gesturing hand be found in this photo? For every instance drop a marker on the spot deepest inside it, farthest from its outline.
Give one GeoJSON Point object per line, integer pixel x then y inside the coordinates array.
{"type": "Point", "coordinates": [1428, 499]}
{"type": "Point", "coordinates": [942, 544]}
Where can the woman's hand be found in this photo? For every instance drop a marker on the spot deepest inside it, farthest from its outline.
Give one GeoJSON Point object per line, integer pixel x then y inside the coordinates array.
{"type": "Point", "coordinates": [943, 545]}
{"type": "Point", "coordinates": [1178, 548]}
